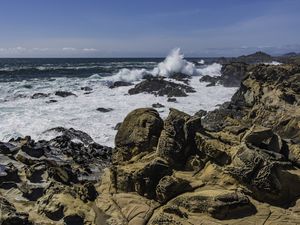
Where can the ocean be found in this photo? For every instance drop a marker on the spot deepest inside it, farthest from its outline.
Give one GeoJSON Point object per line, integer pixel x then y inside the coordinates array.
{"type": "Point", "coordinates": [20, 79]}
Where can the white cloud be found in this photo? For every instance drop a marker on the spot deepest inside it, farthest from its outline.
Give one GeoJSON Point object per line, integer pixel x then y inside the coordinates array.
{"type": "Point", "coordinates": [89, 49]}
{"type": "Point", "coordinates": [69, 49]}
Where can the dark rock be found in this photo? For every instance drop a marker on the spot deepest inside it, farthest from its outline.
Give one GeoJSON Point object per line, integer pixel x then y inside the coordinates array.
{"type": "Point", "coordinates": [172, 100]}
{"type": "Point", "coordinates": [10, 216]}
{"type": "Point", "coordinates": [117, 126]}
{"type": "Point", "coordinates": [104, 110]}
{"type": "Point", "coordinates": [32, 192]}
{"type": "Point", "coordinates": [232, 74]}
{"type": "Point", "coordinates": [73, 220]}
{"type": "Point", "coordinates": [201, 113]}
{"type": "Point", "coordinates": [86, 88]}
{"type": "Point", "coordinates": [181, 77]}
{"type": "Point", "coordinates": [211, 80]}
{"type": "Point", "coordinates": [40, 95]}
{"type": "Point", "coordinates": [73, 134]}
{"type": "Point", "coordinates": [8, 148]}
{"type": "Point", "coordinates": [51, 101]}
{"type": "Point", "coordinates": [157, 105]}
{"type": "Point", "coordinates": [159, 86]}
{"type": "Point", "coordinates": [120, 84]}
{"type": "Point", "coordinates": [64, 94]}
{"type": "Point", "coordinates": [146, 180]}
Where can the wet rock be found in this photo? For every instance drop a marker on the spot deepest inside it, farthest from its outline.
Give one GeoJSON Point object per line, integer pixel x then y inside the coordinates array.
{"type": "Point", "coordinates": [201, 113]}
{"type": "Point", "coordinates": [51, 101]}
{"type": "Point", "coordinates": [86, 88]}
{"type": "Point", "coordinates": [172, 100]}
{"type": "Point", "coordinates": [8, 148]}
{"type": "Point", "coordinates": [212, 81]}
{"type": "Point", "coordinates": [72, 134]}
{"type": "Point", "coordinates": [157, 105]}
{"type": "Point", "coordinates": [232, 74]}
{"type": "Point", "coordinates": [181, 77]}
{"type": "Point", "coordinates": [117, 126]}
{"type": "Point", "coordinates": [161, 87]}
{"type": "Point", "coordinates": [104, 110]}
{"type": "Point", "coordinates": [64, 94]}
{"type": "Point", "coordinates": [40, 95]}
{"type": "Point", "coordinates": [120, 84]}
{"type": "Point", "coordinates": [9, 173]}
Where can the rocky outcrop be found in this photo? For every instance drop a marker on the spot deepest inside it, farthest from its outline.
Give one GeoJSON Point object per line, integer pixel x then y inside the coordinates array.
{"type": "Point", "coordinates": [50, 182]}
{"type": "Point", "coordinates": [236, 164]}
{"type": "Point", "coordinates": [231, 75]}
{"type": "Point", "coordinates": [159, 86]}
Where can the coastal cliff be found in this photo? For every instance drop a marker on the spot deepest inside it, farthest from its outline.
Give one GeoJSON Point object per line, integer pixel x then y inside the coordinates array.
{"type": "Point", "coordinates": [238, 164]}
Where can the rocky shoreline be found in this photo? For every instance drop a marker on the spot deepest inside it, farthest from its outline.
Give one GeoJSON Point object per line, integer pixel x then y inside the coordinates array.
{"type": "Point", "coordinates": [237, 164]}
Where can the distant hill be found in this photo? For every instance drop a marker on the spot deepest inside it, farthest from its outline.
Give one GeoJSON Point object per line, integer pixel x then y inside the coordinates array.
{"type": "Point", "coordinates": [291, 54]}
{"type": "Point", "coordinates": [257, 57]}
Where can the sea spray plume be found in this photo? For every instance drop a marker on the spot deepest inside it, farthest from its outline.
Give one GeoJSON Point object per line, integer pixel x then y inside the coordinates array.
{"type": "Point", "coordinates": [211, 70]}
{"type": "Point", "coordinates": [175, 63]}
{"type": "Point", "coordinates": [129, 75]}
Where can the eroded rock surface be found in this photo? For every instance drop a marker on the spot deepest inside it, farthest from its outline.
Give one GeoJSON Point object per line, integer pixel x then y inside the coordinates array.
{"type": "Point", "coordinates": [236, 164]}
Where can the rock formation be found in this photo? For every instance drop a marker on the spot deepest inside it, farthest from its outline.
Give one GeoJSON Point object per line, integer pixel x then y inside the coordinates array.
{"type": "Point", "coordinates": [238, 164]}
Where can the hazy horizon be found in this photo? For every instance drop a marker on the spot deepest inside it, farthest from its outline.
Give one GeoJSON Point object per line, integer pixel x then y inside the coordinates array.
{"type": "Point", "coordinates": [119, 29]}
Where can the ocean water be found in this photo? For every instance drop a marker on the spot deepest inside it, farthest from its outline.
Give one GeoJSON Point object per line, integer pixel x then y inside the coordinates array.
{"type": "Point", "coordinates": [21, 115]}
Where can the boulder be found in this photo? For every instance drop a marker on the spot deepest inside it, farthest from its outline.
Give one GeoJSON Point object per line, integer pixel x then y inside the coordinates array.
{"type": "Point", "coordinates": [176, 140]}
{"type": "Point", "coordinates": [139, 132]}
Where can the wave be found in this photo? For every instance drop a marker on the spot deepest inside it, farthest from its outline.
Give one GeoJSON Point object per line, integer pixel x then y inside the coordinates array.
{"type": "Point", "coordinates": [275, 63]}
{"type": "Point", "coordinates": [173, 63]}
{"type": "Point", "coordinates": [211, 70]}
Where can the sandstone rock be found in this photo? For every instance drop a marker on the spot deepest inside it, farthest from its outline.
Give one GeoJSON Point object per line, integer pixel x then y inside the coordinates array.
{"type": "Point", "coordinates": [138, 132]}
{"type": "Point", "coordinates": [176, 141]}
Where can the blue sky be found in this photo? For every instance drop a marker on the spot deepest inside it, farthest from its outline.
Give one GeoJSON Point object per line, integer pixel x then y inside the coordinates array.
{"type": "Point", "coordinates": [120, 28]}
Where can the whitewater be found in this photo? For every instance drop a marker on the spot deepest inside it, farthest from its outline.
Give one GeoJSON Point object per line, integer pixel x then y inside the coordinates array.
{"type": "Point", "coordinates": [21, 115]}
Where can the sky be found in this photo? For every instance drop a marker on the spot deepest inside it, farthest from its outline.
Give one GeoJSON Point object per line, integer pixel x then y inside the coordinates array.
{"type": "Point", "coordinates": [147, 28]}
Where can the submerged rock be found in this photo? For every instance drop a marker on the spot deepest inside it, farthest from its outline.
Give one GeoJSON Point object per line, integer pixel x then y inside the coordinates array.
{"type": "Point", "coordinates": [104, 110]}
{"type": "Point", "coordinates": [120, 84]}
{"type": "Point", "coordinates": [64, 94]}
{"type": "Point", "coordinates": [157, 105]}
